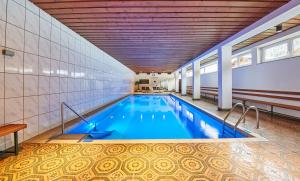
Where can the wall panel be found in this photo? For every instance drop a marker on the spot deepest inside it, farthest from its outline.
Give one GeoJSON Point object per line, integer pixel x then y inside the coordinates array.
{"type": "Point", "coordinates": [52, 64]}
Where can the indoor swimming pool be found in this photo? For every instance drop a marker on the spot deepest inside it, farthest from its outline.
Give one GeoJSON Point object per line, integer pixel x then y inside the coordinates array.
{"type": "Point", "coordinates": [153, 117]}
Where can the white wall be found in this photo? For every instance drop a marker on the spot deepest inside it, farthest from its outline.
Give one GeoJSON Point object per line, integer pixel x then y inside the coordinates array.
{"type": "Point", "coordinates": [277, 75]}
{"type": "Point", "coordinates": [281, 75]}
{"type": "Point", "coordinates": [209, 80]}
{"type": "Point", "coordinates": [169, 83]}
{"type": "Point", "coordinates": [52, 64]}
{"type": "Point", "coordinates": [189, 81]}
{"type": "Point", "coordinates": [159, 78]}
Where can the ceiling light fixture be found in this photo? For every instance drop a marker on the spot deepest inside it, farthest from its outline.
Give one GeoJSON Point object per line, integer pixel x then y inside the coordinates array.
{"type": "Point", "coordinates": [278, 28]}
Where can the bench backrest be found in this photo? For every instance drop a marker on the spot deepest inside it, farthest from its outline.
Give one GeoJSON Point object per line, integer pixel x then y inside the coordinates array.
{"type": "Point", "coordinates": [283, 99]}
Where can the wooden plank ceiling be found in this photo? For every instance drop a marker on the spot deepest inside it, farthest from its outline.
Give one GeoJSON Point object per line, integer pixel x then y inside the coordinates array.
{"type": "Point", "coordinates": [157, 35]}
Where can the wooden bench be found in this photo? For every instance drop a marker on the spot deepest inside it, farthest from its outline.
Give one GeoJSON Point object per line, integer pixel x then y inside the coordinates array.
{"type": "Point", "coordinates": [272, 104]}
{"type": "Point", "coordinates": [213, 91]}
{"type": "Point", "coordinates": [12, 128]}
{"type": "Point", "coordinates": [189, 90]}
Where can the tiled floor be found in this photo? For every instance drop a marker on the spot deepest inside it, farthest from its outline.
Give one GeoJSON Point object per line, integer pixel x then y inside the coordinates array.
{"type": "Point", "coordinates": [275, 159]}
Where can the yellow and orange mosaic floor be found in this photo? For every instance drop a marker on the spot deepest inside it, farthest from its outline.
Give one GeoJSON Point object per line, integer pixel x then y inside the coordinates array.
{"type": "Point", "coordinates": [162, 161]}
{"type": "Point", "coordinates": [277, 159]}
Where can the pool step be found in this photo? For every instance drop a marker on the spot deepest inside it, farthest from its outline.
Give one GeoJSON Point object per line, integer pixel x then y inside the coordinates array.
{"type": "Point", "coordinates": [100, 134]}
{"type": "Point", "coordinates": [227, 132]}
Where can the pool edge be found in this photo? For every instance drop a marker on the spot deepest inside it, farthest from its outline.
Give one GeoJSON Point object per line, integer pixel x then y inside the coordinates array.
{"type": "Point", "coordinates": [242, 129]}
{"type": "Point", "coordinates": [255, 137]}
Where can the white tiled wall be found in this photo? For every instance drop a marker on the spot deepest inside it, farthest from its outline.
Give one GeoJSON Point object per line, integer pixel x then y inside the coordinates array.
{"type": "Point", "coordinates": [52, 64]}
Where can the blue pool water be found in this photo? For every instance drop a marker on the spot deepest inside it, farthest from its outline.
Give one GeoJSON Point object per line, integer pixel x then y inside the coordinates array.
{"type": "Point", "coordinates": [153, 117]}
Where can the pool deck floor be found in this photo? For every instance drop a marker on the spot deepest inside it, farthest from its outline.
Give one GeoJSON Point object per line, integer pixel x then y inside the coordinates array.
{"type": "Point", "coordinates": [64, 158]}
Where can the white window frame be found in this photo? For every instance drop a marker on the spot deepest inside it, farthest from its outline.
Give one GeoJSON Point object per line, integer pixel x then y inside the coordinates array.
{"type": "Point", "coordinates": [202, 70]}
{"type": "Point", "coordinates": [262, 50]}
{"type": "Point", "coordinates": [189, 73]}
{"type": "Point", "coordinates": [292, 46]}
{"type": "Point", "coordinates": [207, 65]}
{"type": "Point", "coordinates": [274, 45]}
{"type": "Point", "coordinates": [238, 59]}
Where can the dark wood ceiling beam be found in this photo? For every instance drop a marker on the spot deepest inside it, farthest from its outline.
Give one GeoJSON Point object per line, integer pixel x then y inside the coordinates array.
{"type": "Point", "coordinates": [215, 23]}
{"type": "Point", "coordinates": [103, 36]}
{"type": "Point", "coordinates": [146, 42]}
{"type": "Point", "coordinates": [76, 1]}
{"type": "Point", "coordinates": [165, 28]}
{"type": "Point", "coordinates": [151, 55]}
{"type": "Point", "coordinates": [158, 10]}
{"type": "Point", "coordinates": [134, 39]}
{"type": "Point", "coordinates": [159, 15]}
{"type": "Point", "coordinates": [155, 30]}
{"type": "Point", "coordinates": [147, 4]}
{"type": "Point", "coordinates": [131, 59]}
{"type": "Point", "coordinates": [143, 48]}
{"type": "Point", "coordinates": [161, 26]}
{"type": "Point", "coordinates": [151, 20]}
{"type": "Point", "coordinates": [135, 48]}
{"type": "Point", "coordinates": [153, 33]}
{"type": "Point", "coordinates": [93, 25]}
{"type": "Point", "coordinates": [150, 46]}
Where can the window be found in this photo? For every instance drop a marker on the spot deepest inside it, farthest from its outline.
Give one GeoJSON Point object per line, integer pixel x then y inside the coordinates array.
{"type": "Point", "coordinates": [296, 46]}
{"type": "Point", "coordinates": [144, 81]}
{"type": "Point", "coordinates": [202, 71]}
{"type": "Point", "coordinates": [284, 49]}
{"type": "Point", "coordinates": [209, 68]}
{"type": "Point", "coordinates": [234, 62]}
{"type": "Point", "coordinates": [189, 73]}
{"type": "Point", "coordinates": [242, 60]}
{"type": "Point", "coordinates": [245, 59]}
{"type": "Point", "coordinates": [274, 52]}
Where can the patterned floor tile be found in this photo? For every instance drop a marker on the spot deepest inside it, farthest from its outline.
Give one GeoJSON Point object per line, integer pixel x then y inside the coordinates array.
{"type": "Point", "coordinates": [169, 161]}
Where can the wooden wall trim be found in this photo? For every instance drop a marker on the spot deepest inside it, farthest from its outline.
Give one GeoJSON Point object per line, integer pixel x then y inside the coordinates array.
{"type": "Point", "coordinates": [257, 90]}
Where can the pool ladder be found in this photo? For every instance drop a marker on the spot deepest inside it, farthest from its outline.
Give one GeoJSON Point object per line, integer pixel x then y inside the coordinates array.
{"type": "Point", "coordinates": [63, 104]}
{"type": "Point", "coordinates": [243, 116]}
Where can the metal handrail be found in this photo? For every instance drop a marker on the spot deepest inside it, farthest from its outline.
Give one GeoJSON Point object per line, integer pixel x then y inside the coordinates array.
{"type": "Point", "coordinates": [232, 109]}
{"type": "Point", "coordinates": [62, 115]}
{"type": "Point", "coordinates": [172, 99]}
{"type": "Point", "coordinates": [244, 115]}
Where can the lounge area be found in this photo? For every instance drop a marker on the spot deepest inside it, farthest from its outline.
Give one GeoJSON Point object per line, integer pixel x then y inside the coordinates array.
{"type": "Point", "coordinates": [149, 90]}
